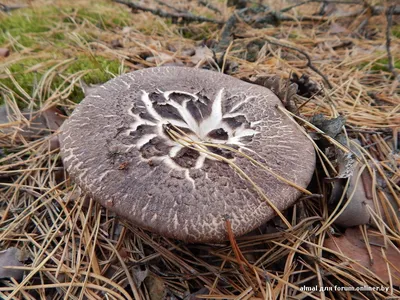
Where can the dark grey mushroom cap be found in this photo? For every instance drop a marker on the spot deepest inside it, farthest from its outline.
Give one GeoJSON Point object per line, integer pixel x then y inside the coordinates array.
{"type": "Point", "coordinates": [116, 148]}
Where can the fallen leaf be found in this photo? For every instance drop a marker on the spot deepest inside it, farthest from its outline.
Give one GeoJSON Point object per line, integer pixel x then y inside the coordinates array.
{"type": "Point", "coordinates": [11, 258]}
{"type": "Point", "coordinates": [40, 123]}
{"type": "Point", "coordinates": [285, 91]}
{"type": "Point", "coordinates": [352, 245]}
{"type": "Point", "coordinates": [307, 87]}
{"type": "Point", "coordinates": [53, 118]}
{"type": "Point", "coordinates": [156, 287]}
{"type": "Point", "coordinates": [331, 127]}
{"type": "Point", "coordinates": [140, 275]}
{"type": "Point", "coordinates": [161, 58]}
{"type": "Point", "coordinates": [202, 54]}
{"type": "Point", "coordinates": [177, 63]}
{"type": "Point", "coordinates": [356, 211]}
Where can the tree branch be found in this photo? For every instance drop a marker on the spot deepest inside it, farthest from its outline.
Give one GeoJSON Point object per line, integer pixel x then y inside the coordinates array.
{"type": "Point", "coordinates": [389, 17]}
{"type": "Point", "coordinates": [308, 58]}
{"type": "Point", "coordinates": [161, 13]}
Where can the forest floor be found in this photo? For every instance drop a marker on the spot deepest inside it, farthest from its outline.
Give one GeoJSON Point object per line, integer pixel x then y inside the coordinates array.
{"type": "Point", "coordinates": [343, 240]}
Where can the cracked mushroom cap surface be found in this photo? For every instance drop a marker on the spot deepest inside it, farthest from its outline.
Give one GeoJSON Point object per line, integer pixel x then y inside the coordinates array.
{"type": "Point", "coordinates": [117, 147]}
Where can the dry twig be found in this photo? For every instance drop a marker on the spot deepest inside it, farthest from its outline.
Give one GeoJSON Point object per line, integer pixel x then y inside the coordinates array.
{"type": "Point", "coordinates": [308, 58]}
{"type": "Point", "coordinates": [389, 18]}
{"type": "Point", "coordinates": [161, 13]}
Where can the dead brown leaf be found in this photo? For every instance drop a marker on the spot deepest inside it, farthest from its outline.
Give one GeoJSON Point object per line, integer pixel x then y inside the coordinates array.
{"type": "Point", "coordinates": [202, 55]}
{"type": "Point", "coordinates": [352, 245]}
{"type": "Point", "coordinates": [156, 287]}
{"type": "Point", "coordinates": [11, 258]}
{"type": "Point", "coordinates": [357, 193]}
{"type": "Point", "coordinates": [53, 118]}
{"type": "Point", "coordinates": [356, 212]}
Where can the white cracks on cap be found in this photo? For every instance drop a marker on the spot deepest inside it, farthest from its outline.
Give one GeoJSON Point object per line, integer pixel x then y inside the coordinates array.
{"type": "Point", "coordinates": [149, 106]}
{"type": "Point", "coordinates": [200, 160]}
{"type": "Point", "coordinates": [154, 217]}
{"type": "Point", "coordinates": [190, 179]}
{"type": "Point", "coordinates": [237, 106]}
{"type": "Point", "coordinates": [175, 221]}
{"type": "Point", "coordinates": [144, 140]}
{"type": "Point", "coordinates": [175, 150]}
{"type": "Point", "coordinates": [138, 121]}
{"type": "Point", "coordinates": [168, 93]}
{"type": "Point", "coordinates": [240, 133]}
{"type": "Point", "coordinates": [187, 117]}
{"type": "Point", "coordinates": [215, 119]}
{"type": "Point", "coordinates": [199, 130]}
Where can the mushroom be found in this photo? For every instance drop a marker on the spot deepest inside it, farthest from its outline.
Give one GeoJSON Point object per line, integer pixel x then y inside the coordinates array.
{"type": "Point", "coordinates": [117, 146]}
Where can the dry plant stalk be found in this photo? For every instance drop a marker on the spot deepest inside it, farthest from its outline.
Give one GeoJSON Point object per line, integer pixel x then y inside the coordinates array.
{"type": "Point", "coordinates": [77, 249]}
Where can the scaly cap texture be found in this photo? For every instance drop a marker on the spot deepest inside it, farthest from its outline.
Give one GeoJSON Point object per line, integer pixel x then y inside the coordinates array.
{"type": "Point", "coordinates": [116, 147]}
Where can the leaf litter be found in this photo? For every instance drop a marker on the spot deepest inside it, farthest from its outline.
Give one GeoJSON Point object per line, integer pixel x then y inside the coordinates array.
{"type": "Point", "coordinates": [78, 249]}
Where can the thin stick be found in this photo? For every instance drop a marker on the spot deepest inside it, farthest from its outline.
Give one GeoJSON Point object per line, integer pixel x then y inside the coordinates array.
{"type": "Point", "coordinates": [308, 58]}
{"type": "Point", "coordinates": [389, 18]}
{"type": "Point", "coordinates": [164, 14]}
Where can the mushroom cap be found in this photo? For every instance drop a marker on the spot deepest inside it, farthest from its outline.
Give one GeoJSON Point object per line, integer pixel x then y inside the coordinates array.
{"type": "Point", "coordinates": [116, 148]}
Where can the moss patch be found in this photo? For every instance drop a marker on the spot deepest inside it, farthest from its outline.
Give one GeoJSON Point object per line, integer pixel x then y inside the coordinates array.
{"type": "Point", "coordinates": [396, 31]}
{"type": "Point", "coordinates": [26, 26]}
{"type": "Point", "coordinates": [382, 64]}
{"type": "Point", "coordinates": [99, 70]}
{"type": "Point", "coordinates": [62, 33]}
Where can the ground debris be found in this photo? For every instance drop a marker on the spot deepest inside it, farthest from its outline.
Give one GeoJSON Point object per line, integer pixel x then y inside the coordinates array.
{"type": "Point", "coordinates": [366, 254]}
{"type": "Point", "coordinates": [337, 56]}
{"type": "Point", "coordinates": [11, 257]}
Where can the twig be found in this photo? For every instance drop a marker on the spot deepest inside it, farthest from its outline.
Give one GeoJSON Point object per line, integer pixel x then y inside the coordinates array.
{"type": "Point", "coordinates": [389, 17]}
{"type": "Point", "coordinates": [307, 56]}
{"type": "Point", "coordinates": [377, 10]}
{"type": "Point", "coordinates": [378, 142]}
{"type": "Point", "coordinates": [308, 100]}
{"type": "Point", "coordinates": [228, 28]}
{"type": "Point", "coordinates": [238, 254]}
{"type": "Point", "coordinates": [277, 15]}
{"type": "Point", "coordinates": [164, 14]}
{"type": "Point", "coordinates": [7, 8]}
{"type": "Point", "coordinates": [172, 7]}
{"type": "Point", "coordinates": [286, 9]}
{"type": "Point", "coordinates": [209, 6]}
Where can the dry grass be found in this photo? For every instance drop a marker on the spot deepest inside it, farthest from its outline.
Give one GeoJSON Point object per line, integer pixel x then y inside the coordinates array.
{"type": "Point", "coordinates": [79, 250]}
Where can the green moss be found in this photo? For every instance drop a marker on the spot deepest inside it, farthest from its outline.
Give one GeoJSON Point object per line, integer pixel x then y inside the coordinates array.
{"type": "Point", "coordinates": [60, 33]}
{"type": "Point", "coordinates": [396, 31]}
{"type": "Point", "coordinates": [382, 64]}
{"type": "Point", "coordinates": [27, 25]}
{"type": "Point", "coordinates": [32, 27]}
{"type": "Point", "coordinates": [196, 33]}
{"type": "Point", "coordinates": [100, 70]}
{"type": "Point", "coordinates": [26, 80]}
{"type": "Point", "coordinates": [103, 19]}
{"type": "Point", "coordinates": [99, 66]}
